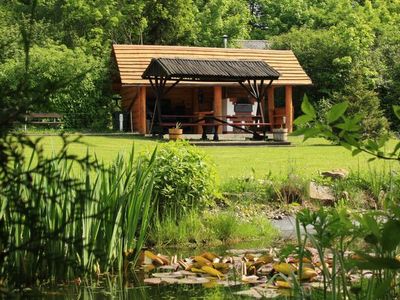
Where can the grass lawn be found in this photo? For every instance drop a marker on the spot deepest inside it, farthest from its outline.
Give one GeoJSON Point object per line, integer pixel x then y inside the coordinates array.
{"type": "Point", "coordinates": [305, 159]}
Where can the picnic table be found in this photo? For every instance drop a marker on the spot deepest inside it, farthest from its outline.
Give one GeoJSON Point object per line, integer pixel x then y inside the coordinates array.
{"type": "Point", "coordinates": [252, 125]}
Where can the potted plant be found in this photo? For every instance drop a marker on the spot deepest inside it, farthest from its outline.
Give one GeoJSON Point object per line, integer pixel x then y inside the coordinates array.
{"type": "Point", "coordinates": [176, 133]}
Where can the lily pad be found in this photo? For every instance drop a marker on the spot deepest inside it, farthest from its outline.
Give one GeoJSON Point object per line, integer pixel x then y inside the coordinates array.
{"type": "Point", "coordinates": [193, 280]}
{"type": "Point", "coordinates": [153, 281]}
{"type": "Point", "coordinates": [167, 275]}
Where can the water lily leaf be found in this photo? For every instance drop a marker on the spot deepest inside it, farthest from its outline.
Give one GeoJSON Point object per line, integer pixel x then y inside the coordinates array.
{"type": "Point", "coordinates": [167, 275]}
{"type": "Point", "coordinates": [250, 293]}
{"type": "Point", "coordinates": [152, 280]}
{"type": "Point", "coordinates": [170, 280]}
{"type": "Point", "coordinates": [193, 280]}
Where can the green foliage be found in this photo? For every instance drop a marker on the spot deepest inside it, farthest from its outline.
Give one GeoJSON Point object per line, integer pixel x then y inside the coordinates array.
{"type": "Point", "coordinates": [171, 230]}
{"type": "Point", "coordinates": [171, 22]}
{"type": "Point", "coordinates": [58, 225]}
{"type": "Point", "coordinates": [347, 131]}
{"type": "Point", "coordinates": [74, 90]}
{"type": "Point", "coordinates": [272, 18]}
{"type": "Point", "coordinates": [185, 178]}
{"type": "Point", "coordinates": [224, 225]}
{"type": "Point", "coordinates": [349, 48]}
{"type": "Point", "coordinates": [249, 188]}
{"type": "Point", "coordinates": [220, 17]}
{"type": "Point", "coordinates": [227, 227]}
{"type": "Point", "coordinates": [336, 232]}
{"type": "Point", "coordinates": [197, 227]}
{"type": "Point", "coordinates": [291, 189]}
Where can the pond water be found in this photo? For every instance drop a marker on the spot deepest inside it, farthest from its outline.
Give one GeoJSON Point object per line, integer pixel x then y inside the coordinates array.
{"type": "Point", "coordinates": [135, 288]}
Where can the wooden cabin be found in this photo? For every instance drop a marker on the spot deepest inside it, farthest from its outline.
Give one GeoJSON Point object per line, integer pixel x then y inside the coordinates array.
{"type": "Point", "coordinates": [185, 84]}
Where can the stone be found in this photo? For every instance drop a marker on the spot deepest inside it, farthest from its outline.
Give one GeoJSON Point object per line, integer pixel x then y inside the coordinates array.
{"type": "Point", "coordinates": [321, 192]}
{"type": "Point", "coordinates": [336, 174]}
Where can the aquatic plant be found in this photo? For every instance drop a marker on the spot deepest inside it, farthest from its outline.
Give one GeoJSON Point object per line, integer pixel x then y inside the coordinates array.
{"type": "Point", "coordinates": [65, 217]}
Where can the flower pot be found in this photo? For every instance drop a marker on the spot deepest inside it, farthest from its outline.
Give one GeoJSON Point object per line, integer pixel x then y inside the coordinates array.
{"type": "Point", "coordinates": [175, 134]}
{"type": "Point", "coordinates": [280, 134]}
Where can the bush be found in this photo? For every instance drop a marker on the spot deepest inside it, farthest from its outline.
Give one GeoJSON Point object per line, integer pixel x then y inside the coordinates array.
{"type": "Point", "coordinates": [185, 178]}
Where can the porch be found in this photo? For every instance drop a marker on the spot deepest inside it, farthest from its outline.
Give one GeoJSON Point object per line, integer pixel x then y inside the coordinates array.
{"type": "Point", "coordinates": [197, 108]}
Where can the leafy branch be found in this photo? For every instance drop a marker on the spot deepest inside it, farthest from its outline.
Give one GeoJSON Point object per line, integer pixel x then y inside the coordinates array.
{"type": "Point", "coordinates": [345, 130]}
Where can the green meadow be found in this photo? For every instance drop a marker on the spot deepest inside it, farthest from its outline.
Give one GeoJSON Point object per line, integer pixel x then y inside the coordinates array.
{"type": "Point", "coordinates": [302, 158]}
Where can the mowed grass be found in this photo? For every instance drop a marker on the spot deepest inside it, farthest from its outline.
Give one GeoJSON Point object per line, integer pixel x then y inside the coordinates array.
{"type": "Point", "coordinates": [304, 159]}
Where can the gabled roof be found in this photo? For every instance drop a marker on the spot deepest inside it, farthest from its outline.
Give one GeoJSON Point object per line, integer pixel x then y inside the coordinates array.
{"type": "Point", "coordinates": [132, 60]}
{"type": "Point", "coordinates": [211, 70]}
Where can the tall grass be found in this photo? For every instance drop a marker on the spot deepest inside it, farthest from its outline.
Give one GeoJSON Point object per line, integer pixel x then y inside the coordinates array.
{"type": "Point", "coordinates": [204, 228]}
{"type": "Point", "coordinates": [56, 225]}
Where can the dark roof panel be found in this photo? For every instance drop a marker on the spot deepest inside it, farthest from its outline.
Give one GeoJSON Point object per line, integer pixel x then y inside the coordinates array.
{"type": "Point", "coordinates": [209, 70]}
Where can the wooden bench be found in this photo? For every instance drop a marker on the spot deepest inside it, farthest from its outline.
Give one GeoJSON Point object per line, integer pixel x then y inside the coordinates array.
{"type": "Point", "coordinates": [51, 119]}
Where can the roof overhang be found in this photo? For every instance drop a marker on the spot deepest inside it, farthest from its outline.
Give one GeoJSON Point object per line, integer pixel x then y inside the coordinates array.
{"type": "Point", "coordinates": [209, 70]}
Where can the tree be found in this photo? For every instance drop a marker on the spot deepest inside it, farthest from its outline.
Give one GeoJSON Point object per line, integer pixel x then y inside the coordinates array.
{"type": "Point", "coordinates": [270, 18]}
{"type": "Point", "coordinates": [222, 17]}
{"type": "Point", "coordinates": [171, 22]}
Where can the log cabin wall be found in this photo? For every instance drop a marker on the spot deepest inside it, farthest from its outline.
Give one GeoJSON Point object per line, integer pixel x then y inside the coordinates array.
{"type": "Point", "coordinates": [129, 97]}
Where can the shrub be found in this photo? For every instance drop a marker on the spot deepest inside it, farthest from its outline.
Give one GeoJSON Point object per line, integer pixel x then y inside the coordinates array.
{"type": "Point", "coordinates": [185, 178]}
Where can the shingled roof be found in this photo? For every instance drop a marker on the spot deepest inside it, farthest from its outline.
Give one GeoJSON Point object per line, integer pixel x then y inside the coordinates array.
{"type": "Point", "coordinates": [215, 70]}
{"type": "Point", "coordinates": [132, 61]}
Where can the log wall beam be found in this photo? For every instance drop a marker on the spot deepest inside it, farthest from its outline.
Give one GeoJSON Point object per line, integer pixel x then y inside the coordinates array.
{"type": "Point", "coordinates": [142, 111]}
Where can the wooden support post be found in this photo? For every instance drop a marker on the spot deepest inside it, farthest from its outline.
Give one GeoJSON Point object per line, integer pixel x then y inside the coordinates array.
{"type": "Point", "coordinates": [289, 107]}
{"type": "Point", "coordinates": [195, 106]}
{"type": "Point", "coordinates": [264, 105]}
{"type": "Point", "coordinates": [142, 111]}
{"type": "Point", "coordinates": [271, 105]}
{"type": "Point", "coordinates": [218, 104]}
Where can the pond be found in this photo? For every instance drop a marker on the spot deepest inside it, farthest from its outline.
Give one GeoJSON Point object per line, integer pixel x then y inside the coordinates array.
{"type": "Point", "coordinates": [143, 283]}
{"type": "Point", "coordinates": [113, 287]}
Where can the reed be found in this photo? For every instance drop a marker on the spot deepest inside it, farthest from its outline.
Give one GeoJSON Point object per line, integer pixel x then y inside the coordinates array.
{"type": "Point", "coordinates": [64, 217]}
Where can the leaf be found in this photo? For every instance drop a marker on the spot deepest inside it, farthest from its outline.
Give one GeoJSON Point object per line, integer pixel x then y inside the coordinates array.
{"type": "Point", "coordinates": [390, 235]}
{"type": "Point", "coordinates": [337, 111]}
{"type": "Point", "coordinates": [311, 132]}
{"type": "Point", "coordinates": [396, 148]}
{"type": "Point", "coordinates": [368, 262]}
{"type": "Point", "coordinates": [307, 108]}
{"type": "Point", "coordinates": [383, 288]}
{"type": "Point", "coordinates": [346, 145]}
{"type": "Point", "coordinates": [396, 109]}
{"type": "Point", "coordinates": [299, 131]}
{"type": "Point", "coordinates": [356, 152]}
{"type": "Point", "coordinates": [303, 120]}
